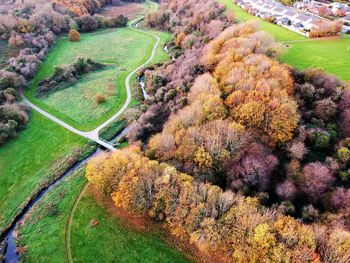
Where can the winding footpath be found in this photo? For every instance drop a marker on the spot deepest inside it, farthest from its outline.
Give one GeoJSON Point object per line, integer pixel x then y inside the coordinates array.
{"type": "Point", "coordinates": [93, 135]}
{"type": "Point", "coordinates": [69, 224]}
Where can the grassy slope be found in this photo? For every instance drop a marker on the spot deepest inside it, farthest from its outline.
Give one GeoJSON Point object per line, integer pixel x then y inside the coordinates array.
{"type": "Point", "coordinates": [24, 160]}
{"type": "Point", "coordinates": [123, 47]}
{"type": "Point", "coordinates": [44, 233]}
{"type": "Point", "coordinates": [332, 55]}
{"type": "Point", "coordinates": [111, 241]}
{"type": "Point", "coordinates": [280, 33]}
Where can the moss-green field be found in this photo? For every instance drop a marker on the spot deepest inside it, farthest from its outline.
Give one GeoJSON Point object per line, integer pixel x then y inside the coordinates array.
{"type": "Point", "coordinates": [24, 162]}
{"type": "Point", "coordinates": [332, 55]}
{"type": "Point", "coordinates": [123, 49]}
{"type": "Point", "coordinates": [110, 241]}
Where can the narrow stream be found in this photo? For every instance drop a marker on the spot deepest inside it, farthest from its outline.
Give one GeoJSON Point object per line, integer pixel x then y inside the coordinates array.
{"type": "Point", "coordinates": [143, 85]}
{"type": "Point", "coordinates": [11, 255]}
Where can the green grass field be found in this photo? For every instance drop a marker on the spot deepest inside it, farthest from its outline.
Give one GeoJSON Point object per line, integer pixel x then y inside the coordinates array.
{"type": "Point", "coordinates": [111, 241]}
{"type": "Point", "coordinates": [123, 48]}
{"type": "Point", "coordinates": [332, 55]}
{"type": "Point", "coordinates": [25, 160]}
{"type": "Point", "coordinates": [44, 233]}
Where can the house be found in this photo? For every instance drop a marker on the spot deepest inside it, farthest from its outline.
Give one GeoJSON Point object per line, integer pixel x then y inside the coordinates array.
{"type": "Point", "coordinates": [299, 21]}
{"type": "Point", "coordinates": [283, 21]}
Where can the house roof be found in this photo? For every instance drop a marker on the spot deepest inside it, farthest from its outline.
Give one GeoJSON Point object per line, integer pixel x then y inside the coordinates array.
{"type": "Point", "coordinates": [302, 17]}
{"type": "Point", "coordinates": [290, 13]}
{"type": "Point", "coordinates": [278, 9]}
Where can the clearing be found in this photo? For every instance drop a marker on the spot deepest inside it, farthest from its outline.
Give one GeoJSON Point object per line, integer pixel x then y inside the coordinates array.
{"type": "Point", "coordinates": [43, 234]}
{"type": "Point", "coordinates": [330, 54]}
{"type": "Point", "coordinates": [25, 162]}
{"type": "Point", "coordinates": [123, 49]}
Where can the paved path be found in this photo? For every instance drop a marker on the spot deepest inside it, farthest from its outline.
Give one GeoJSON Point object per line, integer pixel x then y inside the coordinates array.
{"type": "Point", "coordinates": [93, 135]}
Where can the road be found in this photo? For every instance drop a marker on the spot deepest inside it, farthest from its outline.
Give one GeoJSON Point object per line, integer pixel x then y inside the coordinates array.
{"type": "Point", "coordinates": [93, 135]}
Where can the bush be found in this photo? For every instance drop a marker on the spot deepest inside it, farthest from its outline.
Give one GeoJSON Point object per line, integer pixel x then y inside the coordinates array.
{"type": "Point", "coordinates": [321, 139]}
{"type": "Point", "coordinates": [74, 35]}
{"type": "Point", "coordinates": [100, 98]}
{"type": "Point", "coordinates": [343, 154]}
{"type": "Point", "coordinates": [87, 23]}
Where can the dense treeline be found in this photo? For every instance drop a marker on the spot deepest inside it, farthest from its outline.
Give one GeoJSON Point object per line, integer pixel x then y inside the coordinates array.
{"type": "Point", "coordinates": [80, 7]}
{"type": "Point", "coordinates": [32, 30]}
{"type": "Point", "coordinates": [237, 228]}
{"type": "Point", "coordinates": [168, 85]}
{"type": "Point", "coordinates": [84, 7]}
{"type": "Point", "coordinates": [273, 138]}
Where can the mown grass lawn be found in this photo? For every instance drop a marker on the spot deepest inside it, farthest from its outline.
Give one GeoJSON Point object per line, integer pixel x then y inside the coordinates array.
{"type": "Point", "coordinates": [111, 241]}
{"type": "Point", "coordinates": [332, 55]}
{"type": "Point", "coordinates": [124, 49]}
{"type": "Point", "coordinates": [25, 160]}
{"type": "Point", "coordinates": [44, 233]}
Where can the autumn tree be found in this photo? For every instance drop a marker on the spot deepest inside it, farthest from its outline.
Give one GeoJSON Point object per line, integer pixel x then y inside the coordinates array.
{"type": "Point", "coordinates": [74, 35]}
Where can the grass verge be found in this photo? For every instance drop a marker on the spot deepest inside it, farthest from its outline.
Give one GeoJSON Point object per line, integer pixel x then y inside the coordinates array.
{"type": "Point", "coordinates": [113, 129]}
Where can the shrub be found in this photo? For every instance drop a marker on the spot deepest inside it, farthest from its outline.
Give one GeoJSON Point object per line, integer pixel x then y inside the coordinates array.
{"type": "Point", "coordinates": [87, 23]}
{"type": "Point", "coordinates": [321, 139]}
{"type": "Point", "coordinates": [309, 213]}
{"type": "Point", "coordinates": [74, 35]}
{"type": "Point", "coordinates": [100, 98]}
{"type": "Point", "coordinates": [343, 154]}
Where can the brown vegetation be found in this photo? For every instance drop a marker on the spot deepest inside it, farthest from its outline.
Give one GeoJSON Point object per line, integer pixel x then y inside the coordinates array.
{"type": "Point", "coordinates": [253, 162]}
{"type": "Point", "coordinates": [74, 35]}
